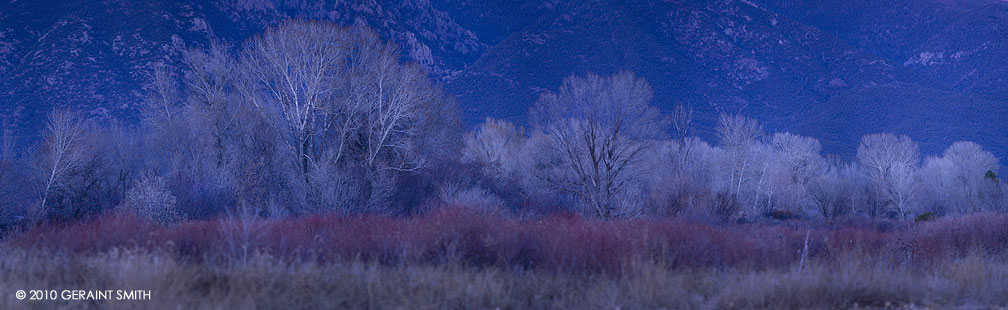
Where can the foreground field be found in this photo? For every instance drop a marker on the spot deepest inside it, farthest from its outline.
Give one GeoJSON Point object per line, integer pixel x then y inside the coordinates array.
{"type": "Point", "coordinates": [269, 283]}
{"type": "Point", "coordinates": [462, 260]}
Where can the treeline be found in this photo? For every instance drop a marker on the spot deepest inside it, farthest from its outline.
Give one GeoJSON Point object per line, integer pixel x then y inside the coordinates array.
{"type": "Point", "coordinates": [315, 118]}
{"type": "Point", "coordinates": [596, 145]}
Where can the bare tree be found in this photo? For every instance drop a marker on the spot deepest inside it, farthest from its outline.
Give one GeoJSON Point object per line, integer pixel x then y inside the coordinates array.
{"type": "Point", "coordinates": [599, 127]}
{"type": "Point", "coordinates": [62, 149]}
{"type": "Point", "coordinates": [494, 145]}
{"type": "Point", "coordinates": [342, 100]}
{"type": "Point", "coordinates": [213, 107]}
{"type": "Point", "coordinates": [159, 110]}
{"type": "Point", "coordinates": [956, 180]}
{"type": "Point", "coordinates": [797, 162]}
{"type": "Point", "coordinates": [972, 162]}
{"type": "Point", "coordinates": [161, 93]}
{"type": "Point", "coordinates": [832, 191]}
{"type": "Point", "coordinates": [392, 109]}
{"type": "Point", "coordinates": [801, 155]}
{"type": "Point", "coordinates": [891, 163]}
{"type": "Point", "coordinates": [737, 135]}
{"type": "Point", "coordinates": [767, 176]}
{"type": "Point", "coordinates": [939, 191]}
{"type": "Point", "coordinates": [682, 128]}
{"type": "Point", "coordinates": [295, 66]}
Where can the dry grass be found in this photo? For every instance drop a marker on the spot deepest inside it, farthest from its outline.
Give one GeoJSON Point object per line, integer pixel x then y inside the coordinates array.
{"type": "Point", "coordinates": [269, 283]}
{"type": "Point", "coordinates": [458, 260]}
{"type": "Point", "coordinates": [569, 243]}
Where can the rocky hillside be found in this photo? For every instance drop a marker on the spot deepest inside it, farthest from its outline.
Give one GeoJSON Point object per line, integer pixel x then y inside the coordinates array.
{"type": "Point", "coordinates": [96, 55]}
{"type": "Point", "coordinates": [934, 69]}
{"type": "Point", "coordinates": [835, 71]}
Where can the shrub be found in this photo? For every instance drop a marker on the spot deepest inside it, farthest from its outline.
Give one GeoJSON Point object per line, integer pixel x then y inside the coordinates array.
{"type": "Point", "coordinates": [666, 199]}
{"type": "Point", "coordinates": [727, 206]}
{"type": "Point", "coordinates": [473, 197]}
{"type": "Point", "coordinates": [926, 217]}
{"type": "Point", "coordinates": [782, 215]}
{"type": "Point", "coordinates": [833, 194]}
{"type": "Point", "coordinates": [494, 146]}
{"type": "Point", "coordinates": [150, 198]}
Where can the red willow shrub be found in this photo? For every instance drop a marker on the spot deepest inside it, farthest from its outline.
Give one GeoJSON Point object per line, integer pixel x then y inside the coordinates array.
{"type": "Point", "coordinates": [94, 235]}
{"type": "Point", "coordinates": [561, 241]}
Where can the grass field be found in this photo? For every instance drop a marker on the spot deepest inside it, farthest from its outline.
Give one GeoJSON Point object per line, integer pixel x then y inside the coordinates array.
{"type": "Point", "coordinates": [460, 260]}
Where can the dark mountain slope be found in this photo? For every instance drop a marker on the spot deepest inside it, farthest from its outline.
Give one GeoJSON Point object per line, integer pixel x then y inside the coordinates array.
{"type": "Point", "coordinates": [830, 69]}
{"type": "Point", "coordinates": [961, 43]}
{"type": "Point", "coordinates": [934, 118]}
{"type": "Point", "coordinates": [95, 55]}
{"type": "Point", "coordinates": [91, 56]}
{"type": "Point", "coordinates": [717, 56]}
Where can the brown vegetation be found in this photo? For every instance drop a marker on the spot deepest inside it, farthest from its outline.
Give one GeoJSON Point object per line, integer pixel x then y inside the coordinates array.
{"type": "Point", "coordinates": [458, 259]}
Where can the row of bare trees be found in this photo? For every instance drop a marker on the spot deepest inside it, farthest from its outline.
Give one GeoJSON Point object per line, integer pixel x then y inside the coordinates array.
{"type": "Point", "coordinates": [312, 117]}
{"type": "Point", "coordinates": [308, 117]}
{"type": "Point", "coordinates": [307, 114]}
{"type": "Point", "coordinates": [598, 145]}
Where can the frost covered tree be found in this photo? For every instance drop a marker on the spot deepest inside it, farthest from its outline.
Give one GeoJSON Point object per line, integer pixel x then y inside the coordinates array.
{"type": "Point", "coordinates": [794, 162]}
{"type": "Point", "coordinates": [833, 190]}
{"type": "Point", "coordinates": [62, 150]}
{"type": "Point", "coordinates": [737, 135]}
{"type": "Point", "coordinates": [939, 193]}
{"type": "Point", "coordinates": [209, 84]}
{"type": "Point", "coordinates": [159, 115]}
{"type": "Point", "coordinates": [196, 126]}
{"type": "Point", "coordinates": [161, 93]}
{"type": "Point", "coordinates": [292, 72]}
{"type": "Point", "coordinates": [150, 198]}
{"type": "Point", "coordinates": [339, 89]}
{"type": "Point", "coordinates": [15, 180]}
{"type": "Point", "coordinates": [971, 164]}
{"type": "Point", "coordinates": [598, 129]}
{"type": "Point", "coordinates": [780, 171]}
{"type": "Point", "coordinates": [956, 182]}
{"type": "Point", "coordinates": [800, 156]}
{"type": "Point", "coordinates": [495, 146]}
{"type": "Point", "coordinates": [891, 163]}
{"type": "Point", "coordinates": [740, 170]}
{"type": "Point", "coordinates": [343, 102]}
{"type": "Point", "coordinates": [682, 127]}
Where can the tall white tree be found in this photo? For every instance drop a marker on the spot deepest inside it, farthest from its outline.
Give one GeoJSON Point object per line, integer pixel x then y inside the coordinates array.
{"type": "Point", "coordinates": [738, 136]}
{"type": "Point", "coordinates": [599, 127]}
{"type": "Point", "coordinates": [972, 162]}
{"type": "Point", "coordinates": [295, 68]}
{"type": "Point", "coordinates": [788, 164]}
{"type": "Point", "coordinates": [956, 180]}
{"type": "Point", "coordinates": [342, 101]}
{"type": "Point", "coordinates": [62, 149]}
{"type": "Point", "coordinates": [801, 156]}
{"type": "Point", "coordinates": [393, 109]}
{"type": "Point", "coordinates": [939, 191]}
{"type": "Point", "coordinates": [161, 92]}
{"type": "Point", "coordinates": [891, 163]}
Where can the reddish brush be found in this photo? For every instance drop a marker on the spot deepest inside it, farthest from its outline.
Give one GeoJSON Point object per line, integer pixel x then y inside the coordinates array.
{"type": "Point", "coordinates": [555, 242]}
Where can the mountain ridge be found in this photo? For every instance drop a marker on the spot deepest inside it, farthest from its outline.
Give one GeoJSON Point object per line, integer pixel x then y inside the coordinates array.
{"type": "Point", "coordinates": [798, 66]}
